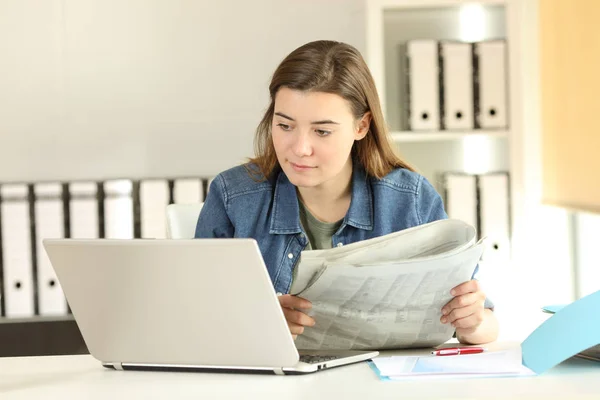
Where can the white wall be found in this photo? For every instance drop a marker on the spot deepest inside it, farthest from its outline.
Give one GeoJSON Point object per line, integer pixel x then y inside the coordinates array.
{"type": "Point", "coordinates": [587, 273]}
{"type": "Point", "coordinates": [146, 88]}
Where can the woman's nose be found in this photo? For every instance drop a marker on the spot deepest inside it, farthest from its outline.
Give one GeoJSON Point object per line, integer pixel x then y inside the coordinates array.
{"type": "Point", "coordinates": [302, 146]}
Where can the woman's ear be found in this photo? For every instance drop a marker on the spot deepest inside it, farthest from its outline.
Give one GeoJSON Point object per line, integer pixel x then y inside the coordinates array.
{"type": "Point", "coordinates": [362, 127]}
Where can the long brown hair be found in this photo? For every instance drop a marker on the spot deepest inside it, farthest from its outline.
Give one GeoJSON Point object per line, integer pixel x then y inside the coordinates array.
{"type": "Point", "coordinates": [338, 68]}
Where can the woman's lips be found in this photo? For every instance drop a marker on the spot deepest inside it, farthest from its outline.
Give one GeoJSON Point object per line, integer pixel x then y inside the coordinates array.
{"type": "Point", "coordinates": [301, 167]}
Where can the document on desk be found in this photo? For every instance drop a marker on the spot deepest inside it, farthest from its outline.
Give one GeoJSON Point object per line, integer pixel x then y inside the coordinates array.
{"type": "Point", "coordinates": [387, 292]}
{"type": "Point", "coordinates": [485, 365]}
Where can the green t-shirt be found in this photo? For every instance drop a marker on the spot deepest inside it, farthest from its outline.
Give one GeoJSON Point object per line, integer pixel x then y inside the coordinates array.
{"type": "Point", "coordinates": [319, 233]}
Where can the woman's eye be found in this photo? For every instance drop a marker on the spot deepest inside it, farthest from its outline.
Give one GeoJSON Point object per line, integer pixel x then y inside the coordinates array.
{"type": "Point", "coordinates": [285, 127]}
{"type": "Point", "coordinates": [321, 132]}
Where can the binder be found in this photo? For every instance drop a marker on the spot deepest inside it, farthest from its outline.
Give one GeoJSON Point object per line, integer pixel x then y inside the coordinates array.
{"type": "Point", "coordinates": [494, 216]}
{"type": "Point", "coordinates": [457, 86]}
{"type": "Point", "coordinates": [83, 210]}
{"type": "Point", "coordinates": [17, 260]}
{"type": "Point", "coordinates": [423, 85]}
{"type": "Point", "coordinates": [49, 224]}
{"type": "Point", "coordinates": [118, 209]}
{"type": "Point", "coordinates": [491, 84]}
{"type": "Point", "coordinates": [154, 198]}
{"type": "Point", "coordinates": [188, 190]}
{"type": "Point", "coordinates": [461, 197]}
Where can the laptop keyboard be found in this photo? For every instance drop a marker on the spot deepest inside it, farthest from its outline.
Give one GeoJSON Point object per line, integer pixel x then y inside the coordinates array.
{"type": "Point", "coordinates": [317, 358]}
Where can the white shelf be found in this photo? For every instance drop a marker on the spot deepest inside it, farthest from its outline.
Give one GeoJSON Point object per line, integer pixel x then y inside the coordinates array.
{"type": "Point", "coordinates": [407, 4]}
{"type": "Point", "coordinates": [36, 318]}
{"type": "Point", "coordinates": [437, 136]}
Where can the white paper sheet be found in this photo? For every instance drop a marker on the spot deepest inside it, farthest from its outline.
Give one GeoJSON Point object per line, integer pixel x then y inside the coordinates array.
{"type": "Point", "coordinates": [487, 364]}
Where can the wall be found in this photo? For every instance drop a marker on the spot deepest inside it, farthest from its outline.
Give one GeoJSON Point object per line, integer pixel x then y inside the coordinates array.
{"type": "Point", "coordinates": [587, 272]}
{"type": "Point", "coordinates": [569, 60]}
{"type": "Point", "coordinates": [95, 89]}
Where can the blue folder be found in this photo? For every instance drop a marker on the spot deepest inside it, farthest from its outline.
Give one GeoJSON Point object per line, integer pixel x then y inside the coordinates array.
{"type": "Point", "coordinates": [572, 330]}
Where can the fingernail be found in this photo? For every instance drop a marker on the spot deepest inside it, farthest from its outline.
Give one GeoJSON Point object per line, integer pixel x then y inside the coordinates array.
{"type": "Point", "coordinates": [453, 292]}
{"type": "Point", "coordinates": [444, 320]}
{"type": "Point", "coordinates": [444, 311]}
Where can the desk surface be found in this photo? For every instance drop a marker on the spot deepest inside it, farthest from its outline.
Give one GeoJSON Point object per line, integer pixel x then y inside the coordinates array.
{"type": "Point", "coordinates": [83, 377]}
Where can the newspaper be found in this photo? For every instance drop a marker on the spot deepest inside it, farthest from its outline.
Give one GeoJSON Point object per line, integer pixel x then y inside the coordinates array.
{"type": "Point", "coordinates": [386, 292]}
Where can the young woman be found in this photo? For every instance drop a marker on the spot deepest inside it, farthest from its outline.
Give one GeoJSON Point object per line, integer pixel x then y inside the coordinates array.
{"type": "Point", "coordinates": [325, 174]}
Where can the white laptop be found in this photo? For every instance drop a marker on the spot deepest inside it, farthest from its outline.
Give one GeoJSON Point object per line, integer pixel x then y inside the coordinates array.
{"type": "Point", "coordinates": [198, 304]}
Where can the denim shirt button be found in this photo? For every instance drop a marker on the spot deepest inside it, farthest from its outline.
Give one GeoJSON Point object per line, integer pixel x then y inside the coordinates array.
{"type": "Point", "coordinates": [290, 256]}
{"type": "Point", "coordinates": [340, 244]}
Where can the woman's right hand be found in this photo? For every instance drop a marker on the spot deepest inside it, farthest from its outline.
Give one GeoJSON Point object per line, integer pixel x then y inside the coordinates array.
{"type": "Point", "coordinates": [296, 319]}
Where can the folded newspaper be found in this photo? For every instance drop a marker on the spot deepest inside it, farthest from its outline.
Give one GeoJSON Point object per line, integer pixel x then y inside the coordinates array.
{"type": "Point", "coordinates": [386, 292]}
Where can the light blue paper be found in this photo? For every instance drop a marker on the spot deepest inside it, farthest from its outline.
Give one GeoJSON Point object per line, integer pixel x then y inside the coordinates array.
{"type": "Point", "coordinates": [566, 333]}
{"type": "Point", "coordinates": [504, 363]}
{"type": "Point", "coordinates": [376, 370]}
{"type": "Point", "coordinates": [553, 309]}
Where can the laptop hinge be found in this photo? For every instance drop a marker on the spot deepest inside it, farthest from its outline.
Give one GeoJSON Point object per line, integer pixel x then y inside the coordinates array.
{"type": "Point", "coordinates": [278, 371]}
{"type": "Point", "coordinates": [118, 366]}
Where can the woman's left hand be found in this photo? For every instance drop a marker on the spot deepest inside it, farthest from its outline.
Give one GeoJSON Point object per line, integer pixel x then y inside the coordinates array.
{"type": "Point", "coordinates": [466, 310]}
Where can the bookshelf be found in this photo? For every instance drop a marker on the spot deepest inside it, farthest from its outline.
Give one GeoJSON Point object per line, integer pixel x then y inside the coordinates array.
{"type": "Point", "coordinates": [539, 234]}
{"type": "Point", "coordinates": [390, 24]}
{"type": "Point", "coordinates": [411, 136]}
{"type": "Point", "coordinates": [36, 320]}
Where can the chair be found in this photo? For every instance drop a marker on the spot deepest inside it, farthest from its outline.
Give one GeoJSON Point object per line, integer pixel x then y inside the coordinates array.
{"type": "Point", "coordinates": [182, 220]}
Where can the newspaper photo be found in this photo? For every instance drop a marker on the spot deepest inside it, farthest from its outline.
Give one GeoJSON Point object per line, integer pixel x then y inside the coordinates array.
{"type": "Point", "coordinates": [386, 292]}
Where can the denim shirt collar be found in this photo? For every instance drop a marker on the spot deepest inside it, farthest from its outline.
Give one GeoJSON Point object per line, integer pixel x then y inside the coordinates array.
{"type": "Point", "coordinates": [285, 218]}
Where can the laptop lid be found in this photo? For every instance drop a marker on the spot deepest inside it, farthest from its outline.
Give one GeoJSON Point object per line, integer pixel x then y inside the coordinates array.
{"type": "Point", "coordinates": [204, 302]}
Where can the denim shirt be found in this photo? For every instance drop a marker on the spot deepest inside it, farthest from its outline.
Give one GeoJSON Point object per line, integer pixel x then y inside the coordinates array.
{"type": "Point", "coordinates": [240, 206]}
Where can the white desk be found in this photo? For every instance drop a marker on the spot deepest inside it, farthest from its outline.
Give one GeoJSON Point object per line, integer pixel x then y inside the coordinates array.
{"type": "Point", "coordinates": [82, 377]}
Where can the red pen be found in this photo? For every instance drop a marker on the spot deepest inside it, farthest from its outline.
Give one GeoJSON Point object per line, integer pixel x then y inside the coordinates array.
{"type": "Point", "coordinates": [455, 351]}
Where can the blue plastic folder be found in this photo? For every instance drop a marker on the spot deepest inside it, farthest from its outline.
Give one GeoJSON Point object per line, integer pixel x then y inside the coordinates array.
{"type": "Point", "coordinates": [552, 309]}
{"type": "Point", "coordinates": [571, 330]}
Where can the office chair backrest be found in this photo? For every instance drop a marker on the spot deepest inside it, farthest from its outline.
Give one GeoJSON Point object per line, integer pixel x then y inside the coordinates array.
{"type": "Point", "coordinates": [182, 220]}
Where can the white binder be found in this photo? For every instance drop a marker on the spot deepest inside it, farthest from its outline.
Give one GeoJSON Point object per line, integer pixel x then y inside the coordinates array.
{"type": "Point", "coordinates": [457, 81]}
{"type": "Point", "coordinates": [49, 224]}
{"type": "Point", "coordinates": [154, 197]}
{"type": "Point", "coordinates": [423, 78]}
{"type": "Point", "coordinates": [83, 210]}
{"type": "Point", "coordinates": [188, 190]}
{"type": "Point", "coordinates": [16, 251]}
{"type": "Point", "coordinates": [494, 217]}
{"type": "Point", "coordinates": [118, 209]}
{"type": "Point", "coordinates": [492, 84]}
{"type": "Point", "coordinates": [461, 197]}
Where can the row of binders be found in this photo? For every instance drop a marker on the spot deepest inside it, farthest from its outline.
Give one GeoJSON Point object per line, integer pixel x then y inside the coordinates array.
{"type": "Point", "coordinates": [482, 201]}
{"type": "Point", "coordinates": [456, 85]}
{"type": "Point", "coordinates": [29, 213]}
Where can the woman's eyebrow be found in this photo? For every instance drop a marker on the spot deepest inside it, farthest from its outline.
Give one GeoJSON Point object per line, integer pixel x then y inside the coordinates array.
{"type": "Point", "coordinates": [285, 116]}
{"type": "Point", "coordinates": [324, 121]}
{"type": "Point", "coordinates": [321, 122]}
